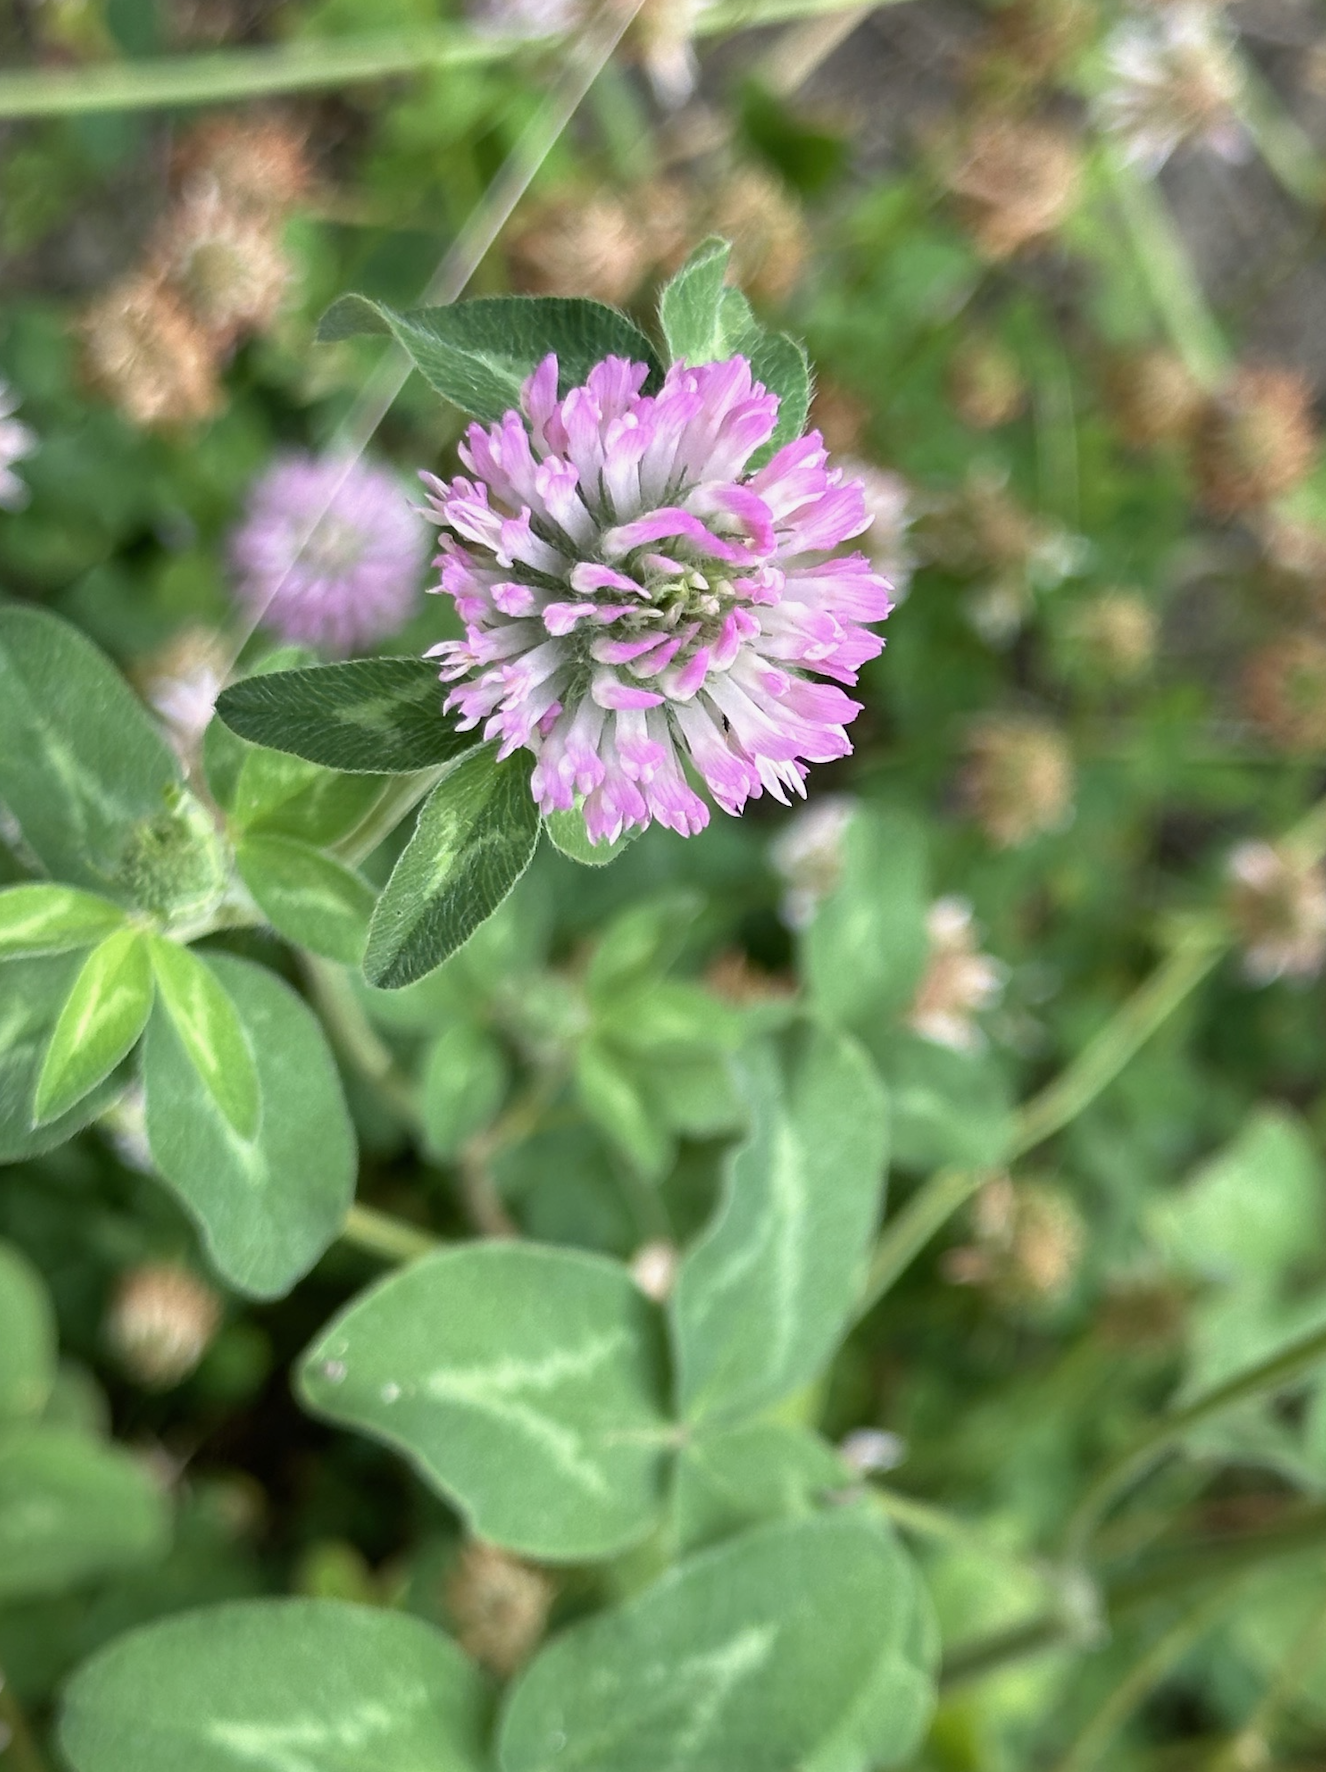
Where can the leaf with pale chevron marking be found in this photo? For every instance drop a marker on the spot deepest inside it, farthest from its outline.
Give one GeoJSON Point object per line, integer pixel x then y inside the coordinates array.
{"type": "Point", "coordinates": [103, 1015]}
{"type": "Point", "coordinates": [278, 1686]}
{"type": "Point", "coordinates": [762, 1298]}
{"type": "Point", "coordinates": [524, 1382]}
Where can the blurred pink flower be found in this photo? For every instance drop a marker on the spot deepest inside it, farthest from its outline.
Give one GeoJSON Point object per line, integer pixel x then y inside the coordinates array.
{"type": "Point", "coordinates": [329, 553]}
{"type": "Point", "coordinates": [633, 596]}
{"type": "Point", "coordinates": [16, 441]}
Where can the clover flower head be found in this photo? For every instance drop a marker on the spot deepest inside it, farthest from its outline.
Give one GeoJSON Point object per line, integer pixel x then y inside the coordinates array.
{"type": "Point", "coordinates": [1277, 899]}
{"type": "Point", "coordinates": [959, 981]}
{"type": "Point", "coordinates": [636, 597]}
{"type": "Point", "coordinates": [329, 553]}
{"type": "Point", "coordinates": [1173, 80]}
{"type": "Point", "coordinates": [16, 441]}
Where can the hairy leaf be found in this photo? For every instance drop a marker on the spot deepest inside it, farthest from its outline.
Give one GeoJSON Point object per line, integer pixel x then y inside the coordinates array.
{"type": "Point", "coordinates": [367, 716]}
{"type": "Point", "coordinates": [475, 837]}
{"type": "Point", "coordinates": [27, 1337]}
{"type": "Point", "coordinates": [478, 353]}
{"type": "Point", "coordinates": [523, 1381]}
{"type": "Point", "coordinates": [32, 994]}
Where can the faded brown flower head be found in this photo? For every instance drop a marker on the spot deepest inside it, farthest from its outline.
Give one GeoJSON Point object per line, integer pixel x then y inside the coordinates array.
{"type": "Point", "coordinates": [985, 383]}
{"type": "Point", "coordinates": [181, 681]}
{"type": "Point", "coordinates": [1277, 901]}
{"type": "Point", "coordinates": [1027, 44]}
{"type": "Point", "coordinates": [770, 244]}
{"type": "Point", "coordinates": [1153, 397]}
{"type": "Point", "coordinates": [161, 1322]}
{"type": "Point", "coordinates": [148, 355]}
{"type": "Point", "coordinates": [1143, 1313]}
{"type": "Point", "coordinates": [734, 978]}
{"type": "Point", "coordinates": [1018, 779]}
{"type": "Point", "coordinates": [1027, 1244]}
{"type": "Point", "coordinates": [598, 246]}
{"type": "Point", "coordinates": [1284, 692]}
{"type": "Point", "coordinates": [226, 263]}
{"type": "Point", "coordinates": [959, 981]}
{"type": "Point", "coordinates": [1013, 180]}
{"type": "Point", "coordinates": [1294, 554]}
{"type": "Point", "coordinates": [980, 528]}
{"type": "Point", "coordinates": [499, 1606]}
{"type": "Point", "coordinates": [662, 39]}
{"type": "Point", "coordinates": [808, 853]}
{"type": "Point", "coordinates": [1254, 441]}
{"type": "Point", "coordinates": [257, 164]}
{"type": "Point", "coordinates": [1114, 635]}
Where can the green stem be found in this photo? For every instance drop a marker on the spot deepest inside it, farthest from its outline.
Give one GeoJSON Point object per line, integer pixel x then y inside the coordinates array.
{"type": "Point", "coordinates": [355, 1038]}
{"type": "Point", "coordinates": [18, 1749]}
{"type": "Point", "coordinates": [1123, 1036]}
{"type": "Point", "coordinates": [381, 1234]}
{"type": "Point", "coordinates": [1167, 1575]}
{"type": "Point", "coordinates": [1282, 144]}
{"type": "Point", "coordinates": [1273, 1374]}
{"type": "Point", "coordinates": [1140, 1680]}
{"type": "Point", "coordinates": [929, 1208]}
{"type": "Point", "coordinates": [1167, 271]}
{"type": "Point", "coordinates": [398, 799]}
{"type": "Point", "coordinates": [172, 81]}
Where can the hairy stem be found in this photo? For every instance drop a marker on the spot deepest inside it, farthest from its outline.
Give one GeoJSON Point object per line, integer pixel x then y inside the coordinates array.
{"type": "Point", "coordinates": [356, 1039]}
{"type": "Point", "coordinates": [929, 1208]}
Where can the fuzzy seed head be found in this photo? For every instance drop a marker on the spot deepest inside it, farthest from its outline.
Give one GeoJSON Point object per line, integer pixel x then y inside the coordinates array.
{"type": "Point", "coordinates": [598, 246]}
{"type": "Point", "coordinates": [1254, 441]}
{"type": "Point", "coordinates": [1013, 180]}
{"type": "Point", "coordinates": [329, 553]}
{"type": "Point", "coordinates": [226, 265]}
{"type": "Point", "coordinates": [1277, 900]}
{"type": "Point", "coordinates": [255, 165]}
{"type": "Point", "coordinates": [959, 981]}
{"type": "Point", "coordinates": [662, 38]}
{"type": "Point", "coordinates": [148, 355]}
{"type": "Point", "coordinates": [1153, 397]}
{"type": "Point", "coordinates": [1027, 1245]}
{"type": "Point", "coordinates": [985, 384]}
{"type": "Point", "coordinates": [499, 1606]}
{"type": "Point", "coordinates": [1018, 779]}
{"type": "Point", "coordinates": [1172, 80]}
{"type": "Point", "coordinates": [633, 594]}
{"type": "Point", "coordinates": [840, 416]}
{"type": "Point", "coordinates": [1114, 635]}
{"type": "Point", "coordinates": [770, 243]}
{"type": "Point", "coordinates": [1284, 692]}
{"type": "Point", "coordinates": [161, 1322]}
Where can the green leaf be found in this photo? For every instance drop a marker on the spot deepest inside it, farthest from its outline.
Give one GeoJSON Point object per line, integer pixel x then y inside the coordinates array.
{"type": "Point", "coordinates": [865, 952]}
{"type": "Point", "coordinates": [477, 354]}
{"type": "Point", "coordinates": [278, 1686]}
{"type": "Point", "coordinates": [524, 1382]}
{"type": "Point", "coordinates": [72, 1509]}
{"type": "Point", "coordinates": [1254, 1211]}
{"type": "Point", "coordinates": [278, 794]}
{"type": "Point", "coordinates": [27, 1337]}
{"type": "Point", "coordinates": [948, 1107]}
{"type": "Point", "coordinates": [210, 1031]}
{"type": "Point", "coordinates": [32, 994]}
{"type": "Point", "coordinates": [103, 1015]}
{"type": "Point", "coordinates": [307, 897]}
{"type": "Point", "coordinates": [567, 832]}
{"type": "Point", "coordinates": [763, 1297]}
{"type": "Point", "coordinates": [764, 1653]}
{"type": "Point", "coordinates": [780, 362]}
{"type": "Point", "coordinates": [729, 1481]}
{"type": "Point", "coordinates": [81, 763]}
{"type": "Point", "coordinates": [366, 716]}
{"type": "Point", "coordinates": [697, 324]}
{"type": "Point", "coordinates": [269, 1206]}
{"type": "Point", "coordinates": [49, 919]}
{"type": "Point", "coordinates": [615, 1101]}
{"type": "Point", "coordinates": [463, 1083]}
{"type": "Point", "coordinates": [475, 837]}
